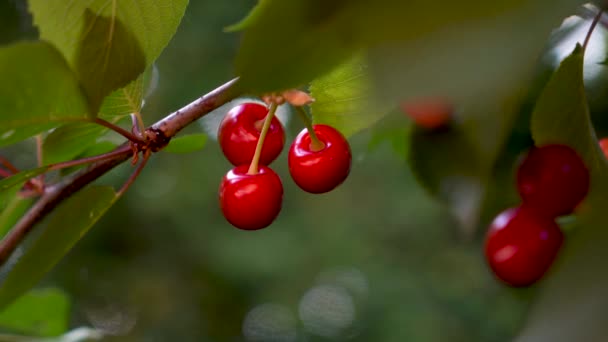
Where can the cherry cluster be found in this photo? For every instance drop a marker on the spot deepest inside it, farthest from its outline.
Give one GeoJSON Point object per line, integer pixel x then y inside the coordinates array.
{"type": "Point", "coordinates": [251, 138]}
{"type": "Point", "coordinates": [522, 242]}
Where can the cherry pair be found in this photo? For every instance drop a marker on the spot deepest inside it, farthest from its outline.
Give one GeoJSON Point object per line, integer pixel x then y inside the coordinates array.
{"type": "Point", "coordinates": [522, 242]}
{"type": "Point", "coordinates": [251, 193]}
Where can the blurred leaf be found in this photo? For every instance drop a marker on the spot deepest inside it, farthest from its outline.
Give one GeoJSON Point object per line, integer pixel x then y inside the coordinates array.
{"type": "Point", "coordinates": [343, 98]}
{"type": "Point", "coordinates": [70, 221]}
{"type": "Point", "coordinates": [572, 304]}
{"type": "Point", "coordinates": [449, 166]}
{"type": "Point", "coordinates": [82, 334]}
{"type": "Point", "coordinates": [37, 91]}
{"type": "Point", "coordinates": [13, 211]}
{"type": "Point", "coordinates": [21, 177]}
{"type": "Point", "coordinates": [306, 38]}
{"type": "Point", "coordinates": [42, 312]}
{"type": "Point", "coordinates": [187, 143]}
{"type": "Point", "coordinates": [288, 43]}
{"type": "Point", "coordinates": [108, 43]}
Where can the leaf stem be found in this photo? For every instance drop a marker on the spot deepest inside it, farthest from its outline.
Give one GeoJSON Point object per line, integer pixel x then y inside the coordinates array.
{"type": "Point", "coordinates": [63, 165]}
{"type": "Point", "coordinates": [315, 143]}
{"type": "Point", "coordinates": [135, 174]}
{"type": "Point", "coordinates": [596, 19]}
{"type": "Point", "coordinates": [254, 167]}
{"type": "Point", "coordinates": [8, 165]}
{"type": "Point", "coordinates": [130, 136]}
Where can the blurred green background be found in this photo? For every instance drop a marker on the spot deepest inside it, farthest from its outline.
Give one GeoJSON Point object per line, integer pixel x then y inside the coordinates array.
{"type": "Point", "coordinates": [376, 260]}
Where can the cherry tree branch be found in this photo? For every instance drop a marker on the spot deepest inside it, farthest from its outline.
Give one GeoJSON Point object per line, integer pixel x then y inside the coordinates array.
{"type": "Point", "coordinates": [159, 136]}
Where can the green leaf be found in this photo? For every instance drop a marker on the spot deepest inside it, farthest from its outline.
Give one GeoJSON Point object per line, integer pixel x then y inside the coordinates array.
{"type": "Point", "coordinates": [70, 221]}
{"type": "Point", "coordinates": [187, 143]}
{"type": "Point", "coordinates": [302, 39]}
{"type": "Point", "coordinates": [38, 91]}
{"type": "Point", "coordinates": [21, 177]}
{"type": "Point", "coordinates": [108, 43]}
{"type": "Point", "coordinates": [13, 211]}
{"type": "Point", "coordinates": [343, 98]}
{"type": "Point", "coordinates": [572, 303]}
{"type": "Point", "coordinates": [70, 140]}
{"type": "Point", "coordinates": [127, 100]}
{"type": "Point", "coordinates": [43, 312]}
{"type": "Point", "coordinates": [288, 43]}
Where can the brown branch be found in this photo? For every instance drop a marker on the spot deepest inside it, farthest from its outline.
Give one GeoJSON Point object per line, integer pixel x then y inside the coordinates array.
{"type": "Point", "coordinates": [159, 134]}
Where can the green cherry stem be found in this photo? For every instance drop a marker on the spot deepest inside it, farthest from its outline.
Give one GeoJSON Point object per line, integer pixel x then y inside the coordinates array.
{"type": "Point", "coordinates": [315, 143]}
{"type": "Point", "coordinates": [254, 167]}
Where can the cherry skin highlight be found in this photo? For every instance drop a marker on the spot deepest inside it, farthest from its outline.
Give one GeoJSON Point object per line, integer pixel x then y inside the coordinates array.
{"type": "Point", "coordinates": [240, 130]}
{"type": "Point", "coordinates": [521, 245]}
{"type": "Point", "coordinates": [553, 180]}
{"type": "Point", "coordinates": [323, 170]}
{"type": "Point", "coordinates": [251, 202]}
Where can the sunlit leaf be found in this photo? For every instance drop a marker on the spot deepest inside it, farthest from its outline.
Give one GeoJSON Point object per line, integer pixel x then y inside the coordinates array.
{"type": "Point", "coordinates": [572, 303]}
{"type": "Point", "coordinates": [343, 98]}
{"type": "Point", "coordinates": [108, 43]}
{"type": "Point", "coordinates": [38, 91]}
{"type": "Point", "coordinates": [70, 221]}
{"type": "Point", "coordinates": [187, 143]}
{"type": "Point", "coordinates": [43, 312]}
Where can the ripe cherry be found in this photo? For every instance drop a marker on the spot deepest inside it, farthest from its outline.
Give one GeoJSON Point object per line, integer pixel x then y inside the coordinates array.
{"type": "Point", "coordinates": [319, 169]}
{"type": "Point", "coordinates": [240, 130]}
{"type": "Point", "coordinates": [429, 113]}
{"type": "Point", "coordinates": [553, 180]}
{"type": "Point", "coordinates": [251, 201]}
{"type": "Point", "coordinates": [521, 245]}
{"type": "Point", "coordinates": [604, 146]}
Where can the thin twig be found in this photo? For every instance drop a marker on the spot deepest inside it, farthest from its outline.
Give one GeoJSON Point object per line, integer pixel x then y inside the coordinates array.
{"type": "Point", "coordinates": [135, 173]}
{"type": "Point", "coordinates": [8, 165]}
{"type": "Point", "coordinates": [164, 130]}
{"type": "Point", "coordinates": [88, 160]}
{"type": "Point", "coordinates": [119, 130]}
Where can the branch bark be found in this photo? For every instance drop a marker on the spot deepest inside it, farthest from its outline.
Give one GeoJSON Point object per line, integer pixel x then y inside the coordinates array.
{"type": "Point", "coordinates": [159, 134]}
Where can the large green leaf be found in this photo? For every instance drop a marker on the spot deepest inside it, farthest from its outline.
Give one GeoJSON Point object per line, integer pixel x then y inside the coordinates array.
{"type": "Point", "coordinates": [43, 312]}
{"type": "Point", "coordinates": [343, 98]}
{"type": "Point", "coordinates": [108, 43]}
{"type": "Point", "coordinates": [37, 91]}
{"type": "Point", "coordinates": [302, 39]}
{"type": "Point", "coordinates": [70, 221]}
{"type": "Point", "coordinates": [572, 305]}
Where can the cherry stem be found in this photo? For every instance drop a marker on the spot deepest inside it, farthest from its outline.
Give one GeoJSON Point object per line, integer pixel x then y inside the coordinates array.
{"type": "Point", "coordinates": [119, 130]}
{"type": "Point", "coordinates": [135, 173]}
{"type": "Point", "coordinates": [254, 167]}
{"type": "Point", "coordinates": [315, 143]}
{"type": "Point", "coordinates": [597, 18]}
{"type": "Point", "coordinates": [117, 152]}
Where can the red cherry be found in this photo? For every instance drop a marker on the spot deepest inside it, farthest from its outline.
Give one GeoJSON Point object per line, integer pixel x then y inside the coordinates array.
{"type": "Point", "coordinates": [430, 113]}
{"type": "Point", "coordinates": [240, 130]}
{"type": "Point", "coordinates": [521, 245]}
{"type": "Point", "coordinates": [319, 171]}
{"type": "Point", "coordinates": [604, 146]}
{"type": "Point", "coordinates": [553, 179]}
{"type": "Point", "coordinates": [251, 202]}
